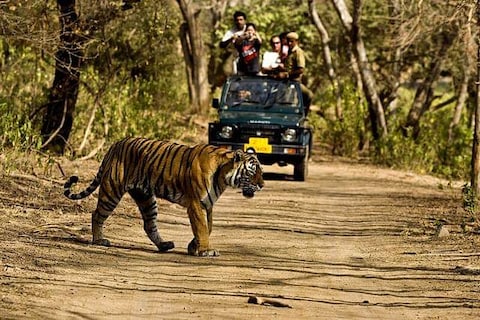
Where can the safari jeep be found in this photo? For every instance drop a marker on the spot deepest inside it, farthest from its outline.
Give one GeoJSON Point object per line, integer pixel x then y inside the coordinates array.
{"type": "Point", "coordinates": [266, 115]}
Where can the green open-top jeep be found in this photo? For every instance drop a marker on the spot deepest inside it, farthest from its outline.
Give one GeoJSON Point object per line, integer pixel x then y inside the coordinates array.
{"type": "Point", "coordinates": [266, 115]}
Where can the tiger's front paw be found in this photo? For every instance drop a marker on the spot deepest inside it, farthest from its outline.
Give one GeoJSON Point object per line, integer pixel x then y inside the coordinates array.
{"type": "Point", "coordinates": [193, 250]}
{"type": "Point", "coordinates": [209, 253]}
{"type": "Point", "coordinates": [193, 247]}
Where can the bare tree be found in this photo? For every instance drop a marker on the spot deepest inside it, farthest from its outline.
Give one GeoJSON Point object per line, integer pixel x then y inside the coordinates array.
{"type": "Point", "coordinates": [475, 173]}
{"type": "Point", "coordinates": [58, 119]}
{"type": "Point", "coordinates": [459, 106]}
{"type": "Point", "coordinates": [424, 93]}
{"type": "Point", "coordinates": [469, 44]}
{"type": "Point", "coordinates": [438, 27]}
{"type": "Point", "coordinates": [197, 49]}
{"type": "Point", "coordinates": [352, 25]}
{"type": "Point", "coordinates": [391, 78]}
{"type": "Point", "coordinates": [195, 55]}
{"type": "Point", "coordinates": [327, 56]}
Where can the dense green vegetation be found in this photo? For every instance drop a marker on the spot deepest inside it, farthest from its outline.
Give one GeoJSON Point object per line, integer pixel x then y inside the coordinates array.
{"type": "Point", "coordinates": [133, 79]}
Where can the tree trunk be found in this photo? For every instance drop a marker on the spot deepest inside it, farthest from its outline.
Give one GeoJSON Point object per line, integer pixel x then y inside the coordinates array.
{"type": "Point", "coordinates": [196, 58]}
{"type": "Point", "coordinates": [476, 134]}
{"type": "Point", "coordinates": [424, 94]}
{"type": "Point", "coordinates": [217, 74]}
{"type": "Point", "coordinates": [327, 57]}
{"type": "Point", "coordinates": [379, 125]}
{"type": "Point", "coordinates": [375, 107]}
{"type": "Point", "coordinates": [389, 96]}
{"type": "Point", "coordinates": [463, 93]}
{"type": "Point", "coordinates": [462, 98]}
{"type": "Point", "coordinates": [58, 119]}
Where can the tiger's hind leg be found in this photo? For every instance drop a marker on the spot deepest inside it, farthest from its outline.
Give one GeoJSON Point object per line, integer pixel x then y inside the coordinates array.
{"type": "Point", "coordinates": [148, 207]}
{"type": "Point", "coordinates": [105, 206]}
{"type": "Point", "coordinates": [98, 218]}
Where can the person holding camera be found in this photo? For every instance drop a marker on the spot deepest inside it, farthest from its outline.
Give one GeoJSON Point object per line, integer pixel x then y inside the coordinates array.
{"type": "Point", "coordinates": [230, 55]}
{"type": "Point", "coordinates": [248, 47]}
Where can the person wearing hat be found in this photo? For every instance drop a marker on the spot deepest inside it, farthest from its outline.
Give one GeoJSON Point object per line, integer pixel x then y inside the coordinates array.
{"type": "Point", "coordinates": [295, 66]}
{"type": "Point", "coordinates": [295, 61]}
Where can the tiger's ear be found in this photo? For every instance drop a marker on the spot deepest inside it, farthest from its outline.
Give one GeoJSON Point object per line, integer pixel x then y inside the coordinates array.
{"type": "Point", "coordinates": [238, 155]}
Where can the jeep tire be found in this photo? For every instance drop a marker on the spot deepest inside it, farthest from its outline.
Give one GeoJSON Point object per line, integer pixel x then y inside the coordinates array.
{"type": "Point", "coordinates": [300, 169]}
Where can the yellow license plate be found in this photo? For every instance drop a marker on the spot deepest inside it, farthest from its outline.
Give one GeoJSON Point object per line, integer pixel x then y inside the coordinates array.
{"type": "Point", "coordinates": [260, 145]}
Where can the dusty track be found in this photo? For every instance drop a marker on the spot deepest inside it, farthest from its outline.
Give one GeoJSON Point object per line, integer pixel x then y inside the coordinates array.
{"type": "Point", "coordinates": [353, 242]}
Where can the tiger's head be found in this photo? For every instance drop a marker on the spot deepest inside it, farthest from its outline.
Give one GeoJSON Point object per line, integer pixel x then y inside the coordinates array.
{"type": "Point", "coordinates": [248, 173]}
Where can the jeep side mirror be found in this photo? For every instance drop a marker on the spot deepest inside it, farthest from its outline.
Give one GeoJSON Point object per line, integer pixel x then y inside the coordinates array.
{"type": "Point", "coordinates": [215, 103]}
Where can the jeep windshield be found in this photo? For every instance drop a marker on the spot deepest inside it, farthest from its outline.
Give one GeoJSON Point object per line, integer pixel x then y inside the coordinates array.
{"type": "Point", "coordinates": [248, 94]}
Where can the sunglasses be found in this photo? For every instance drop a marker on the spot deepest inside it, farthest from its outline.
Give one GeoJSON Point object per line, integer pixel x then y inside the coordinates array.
{"type": "Point", "coordinates": [278, 42]}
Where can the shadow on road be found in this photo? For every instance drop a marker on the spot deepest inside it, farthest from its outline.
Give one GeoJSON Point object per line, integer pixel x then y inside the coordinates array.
{"type": "Point", "coordinates": [277, 176]}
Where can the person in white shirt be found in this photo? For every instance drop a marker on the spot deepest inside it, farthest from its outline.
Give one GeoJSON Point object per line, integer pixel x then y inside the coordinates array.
{"type": "Point", "coordinates": [240, 21]}
{"type": "Point", "coordinates": [235, 33]}
{"type": "Point", "coordinates": [271, 60]}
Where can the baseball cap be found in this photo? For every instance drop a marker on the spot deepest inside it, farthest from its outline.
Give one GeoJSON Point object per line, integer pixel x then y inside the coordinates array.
{"type": "Point", "coordinates": [292, 35]}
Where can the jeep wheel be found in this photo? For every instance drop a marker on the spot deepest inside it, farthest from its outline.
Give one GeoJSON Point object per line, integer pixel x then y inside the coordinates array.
{"type": "Point", "coordinates": [300, 170]}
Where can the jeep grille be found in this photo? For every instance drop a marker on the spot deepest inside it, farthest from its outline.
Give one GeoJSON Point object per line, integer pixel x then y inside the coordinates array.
{"type": "Point", "coordinates": [272, 132]}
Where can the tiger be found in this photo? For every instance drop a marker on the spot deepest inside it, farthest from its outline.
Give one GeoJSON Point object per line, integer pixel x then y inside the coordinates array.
{"type": "Point", "coordinates": [191, 176]}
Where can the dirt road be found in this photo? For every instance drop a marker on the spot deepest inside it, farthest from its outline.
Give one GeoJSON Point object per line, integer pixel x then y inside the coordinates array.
{"type": "Point", "coordinates": [353, 242]}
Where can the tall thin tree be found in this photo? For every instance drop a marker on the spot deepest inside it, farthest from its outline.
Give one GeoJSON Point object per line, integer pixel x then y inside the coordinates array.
{"type": "Point", "coordinates": [195, 47]}
{"type": "Point", "coordinates": [327, 56]}
{"type": "Point", "coordinates": [352, 25]}
{"type": "Point", "coordinates": [476, 134]}
{"type": "Point", "coordinates": [58, 120]}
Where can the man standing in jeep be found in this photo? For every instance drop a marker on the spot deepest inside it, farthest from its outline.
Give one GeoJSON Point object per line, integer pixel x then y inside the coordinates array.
{"type": "Point", "coordinates": [230, 58]}
{"type": "Point", "coordinates": [295, 66]}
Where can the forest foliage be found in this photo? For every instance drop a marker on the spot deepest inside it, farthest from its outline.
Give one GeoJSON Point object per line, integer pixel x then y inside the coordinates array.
{"type": "Point", "coordinates": [134, 80]}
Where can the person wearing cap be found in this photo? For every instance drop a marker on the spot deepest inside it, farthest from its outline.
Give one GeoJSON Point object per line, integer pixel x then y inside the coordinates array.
{"type": "Point", "coordinates": [295, 66]}
{"type": "Point", "coordinates": [295, 61]}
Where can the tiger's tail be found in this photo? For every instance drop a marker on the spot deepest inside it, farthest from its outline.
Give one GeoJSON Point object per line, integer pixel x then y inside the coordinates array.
{"type": "Point", "coordinates": [85, 193]}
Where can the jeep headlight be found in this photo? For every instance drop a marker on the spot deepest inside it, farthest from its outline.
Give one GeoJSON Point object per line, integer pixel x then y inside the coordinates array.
{"type": "Point", "coordinates": [226, 132]}
{"type": "Point", "coordinates": [290, 135]}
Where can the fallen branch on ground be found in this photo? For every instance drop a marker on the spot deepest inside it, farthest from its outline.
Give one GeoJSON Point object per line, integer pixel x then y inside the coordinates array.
{"type": "Point", "coordinates": [267, 302]}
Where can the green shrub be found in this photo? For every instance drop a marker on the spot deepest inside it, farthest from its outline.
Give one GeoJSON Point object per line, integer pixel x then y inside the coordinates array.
{"type": "Point", "coordinates": [17, 130]}
{"type": "Point", "coordinates": [469, 200]}
{"type": "Point", "coordinates": [430, 153]}
{"type": "Point", "coordinates": [342, 137]}
{"type": "Point", "coordinates": [133, 108]}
